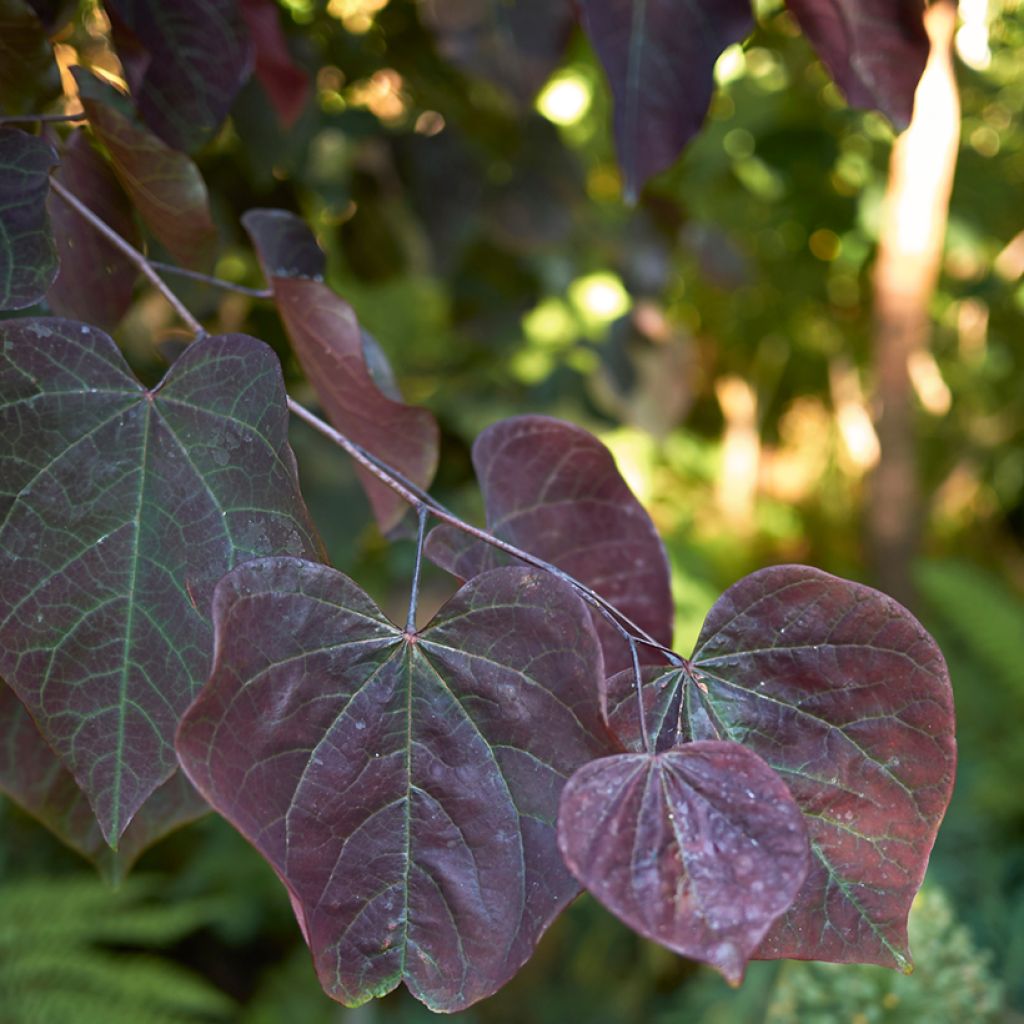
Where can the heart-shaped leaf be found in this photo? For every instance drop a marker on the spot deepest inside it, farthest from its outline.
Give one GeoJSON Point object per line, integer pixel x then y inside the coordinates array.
{"type": "Point", "coordinates": [700, 848]}
{"type": "Point", "coordinates": [185, 62]}
{"type": "Point", "coordinates": [32, 775]}
{"type": "Point", "coordinates": [29, 78]}
{"type": "Point", "coordinates": [331, 346]}
{"type": "Point", "coordinates": [285, 83]}
{"type": "Point", "coordinates": [404, 787]}
{"type": "Point", "coordinates": [164, 185]}
{"type": "Point", "coordinates": [875, 49]}
{"type": "Point", "coordinates": [120, 508]}
{"type": "Point", "coordinates": [659, 56]}
{"type": "Point", "coordinates": [28, 257]}
{"type": "Point", "coordinates": [96, 280]}
{"type": "Point", "coordinates": [845, 695]}
{"type": "Point", "coordinates": [553, 489]}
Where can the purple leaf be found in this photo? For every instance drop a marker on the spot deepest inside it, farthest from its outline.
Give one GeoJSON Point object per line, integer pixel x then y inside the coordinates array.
{"type": "Point", "coordinates": [120, 508]}
{"type": "Point", "coordinates": [28, 257]}
{"type": "Point", "coordinates": [32, 775]}
{"type": "Point", "coordinates": [659, 56]}
{"type": "Point", "coordinates": [340, 363]}
{"type": "Point", "coordinates": [29, 78]}
{"type": "Point", "coordinates": [875, 49]}
{"type": "Point", "coordinates": [185, 62]}
{"type": "Point", "coordinates": [96, 280]}
{"type": "Point", "coordinates": [700, 848]}
{"type": "Point", "coordinates": [552, 489]}
{"type": "Point", "coordinates": [164, 185]}
{"type": "Point", "coordinates": [404, 787]}
{"type": "Point", "coordinates": [285, 83]}
{"type": "Point", "coordinates": [516, 45]}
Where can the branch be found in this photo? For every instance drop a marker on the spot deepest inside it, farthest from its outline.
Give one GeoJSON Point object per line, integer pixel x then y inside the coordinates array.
{"type": "Point", "coordinates": [216, 282]}
{"type": "Point", "coordinates": [40, 118]}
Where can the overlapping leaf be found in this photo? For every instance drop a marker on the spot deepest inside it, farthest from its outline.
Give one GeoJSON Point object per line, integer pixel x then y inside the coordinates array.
{"type": "Point", "coordinates": [404, 787]}
{"type": "Point", "coordinates": [29, 78]}
{"type": "Point", "coordinates": [844, 694]}
{"type": "Point", "coordinates": [120, 508]}
{"type": "Point", "coordinates": [517, 46]}
{"type": "Point", "coordinates": [333, 351]}
{"type": "Point", "coordinates": [185, 62]}
{"type": "Point", "coordinates": [875, 49]}
{"type": "Point", "coordinates": [285, 83]}
{"type": "Point", "coordinates": [552, 489]}
{"type": "Point", "coordinates": [164, 185]}
{"type": "Point", "coordinates": [32, 775]}
{"type": "Point", "coordinates": [95, 280]}
{"type": "Point", "coordinates": [700, 848]}
{"type": "Point", "coordinates": [659, 56]}
{"type": "Point", "coordinates": [28, 257]}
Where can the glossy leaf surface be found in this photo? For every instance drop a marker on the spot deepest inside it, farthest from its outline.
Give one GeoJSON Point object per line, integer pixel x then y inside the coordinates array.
{"type": "Point", "coordinates": [164, 185]}
{"type": "Point", "coordinates": [185, 62]}
{"type": "Point", "coordinates": [875, 49]}
{"type": "Point", "coordinates": [32, 775]}
{"type": "Point", "coordinates": [699, 848]}
{"type": "Point", "coordinates": [553, 489]}
{"type": "Point", "coordinates": [29, 78]}
{"type": "Point", "coordinates": [120, 510]}
{"type": "Point", "coordinates": [329, 342]}
{"type": "Point", "coordinates": [405, 788]}
{"type": "Point", "coordinates": [95, 280]}
{"type": "Point", "coordinates": [285, 83]}
{"type": "Point", "coordinates": [28, 257]}
{"type": "Point", "coordinates": [659, 56]}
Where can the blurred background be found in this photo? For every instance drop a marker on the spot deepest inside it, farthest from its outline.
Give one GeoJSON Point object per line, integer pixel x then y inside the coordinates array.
{"type": "Point", "coordinates": [798, 349]}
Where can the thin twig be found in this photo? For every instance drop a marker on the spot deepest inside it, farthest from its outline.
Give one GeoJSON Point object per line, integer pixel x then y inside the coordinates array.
{"type": "Point", "coordinates": [216, 282]}
{"type": "Point", "coordinates": [638, 682]}
{"type": "Point", "coordinates": [40, 118]}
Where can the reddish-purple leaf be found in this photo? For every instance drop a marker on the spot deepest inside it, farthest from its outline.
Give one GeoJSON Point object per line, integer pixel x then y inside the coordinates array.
{"type": "Point", "coordinates": [659, 56]}
{"type": "Point", "coordinates": [120, 508]}
{"type": "Point", "coordinates": [95, 281]}
{"type": "Point", "coordinates": [334, 354]}
{"type": "Point", "coordinates": [404, 787]}
{"type": "Point", "coordinates": [516, 45]}
{"type": "Point", "coordinates": [285, 83]}
{"type": "Point", "coordinates": [875, 49]}
{"type": "Point", "coordinates": [32, 775]}
{"type": "Point", "coordinates": [28, 257]}
{"type": "Point", "coordinates": [552, 489]}
{"type": "Point", "coordinates": [700, 848]}
{"type": "Point", "coordinates": [185, 62]}
{"type": "Point", "coordinates": [845, 695]}
{"type": "Point", "coordinates": [29, 78]}
{"type": "Point", "coordinates": [164, 185]}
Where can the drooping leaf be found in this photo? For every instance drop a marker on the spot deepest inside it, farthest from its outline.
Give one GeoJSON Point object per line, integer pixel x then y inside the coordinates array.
{"type": "Point", "coordinates": [845, 695]}
{"type": "Point", "coordinates": [32, 775]}
{"type": "Point", "coordinates": [164, 185]}
{"type": "Point", "coordinates": [875, 49]}
{"type": "Point", "coordinates": [120, 508]}
{"type": "Point", "coordinates": [285, 83]}
{"type": "Point", "coordinates": [95, 280]}
{"type": "Point", "coordinates": [699, 848]}
{"type": "Point", "coordinates": [28, 257]}
{"type": "Point", "coordinates": [552, 489]}
{"type": "Point", "coordinates": [185, 63]}
{"type": "Point", "coordinates": [404, 787]}
{"type": "Point", "coordinates": [659, 56]}
{"type": "Point", "coordinates": [337, 359]}
{"type": "Point", "coordinates": [516, 46]}
{"type": "Point", "coordinates": [29, 78]}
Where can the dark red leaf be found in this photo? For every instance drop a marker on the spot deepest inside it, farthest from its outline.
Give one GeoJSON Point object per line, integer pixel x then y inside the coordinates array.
{"type": "Point", "coordinates": [334, 354]}
{"type": "Point", "coordinates": [164, 185]}
{"type": "Point", "coordinates": [516, 46]}
{"type": "Point", "coordinates": [405, 788]}
{"type": "Point", "coordinates": [28, 257]}
{"type": "Point", "coordinates": [32, 775]}
{"type": "Point", "coordinates": [29, 78]}
{"type": "Point", "coordinates": [552, 489]}
{"type": "Point", "coordinates": [659, 56]}
{"type": "Point", "coordinates": [875, 49]}
{"type": "Point", "coordinates": [699, 848]}
{"type": "Point", "coordinates": [120, 508]}
{"type": "Point", "coordinates": [95, 281]}
{"type": "Point", "coordinates": [185, 62]}
{"type": "Point", "coordinates": [285, 83]}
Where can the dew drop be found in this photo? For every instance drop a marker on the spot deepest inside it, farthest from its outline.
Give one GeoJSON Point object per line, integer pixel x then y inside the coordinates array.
{"type": "Point", "coordinates": [359, 724]}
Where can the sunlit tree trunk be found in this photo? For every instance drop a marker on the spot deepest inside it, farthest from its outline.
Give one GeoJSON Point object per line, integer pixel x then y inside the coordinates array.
{"type": "Point", "coordinates": [910, 252]}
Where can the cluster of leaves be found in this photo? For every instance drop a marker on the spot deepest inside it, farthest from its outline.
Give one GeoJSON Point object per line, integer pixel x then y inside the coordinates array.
{"type": "Point", "coordinates": [432, 797]}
